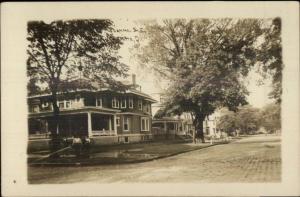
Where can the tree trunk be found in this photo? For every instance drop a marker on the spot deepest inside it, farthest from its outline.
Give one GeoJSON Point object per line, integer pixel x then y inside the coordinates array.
{"type": "Point", "coordinates": [194, 135]}
{"type": "Point", "coordinates": [198, 122]}
{"type": "Point", "coordinates": [55, 114]}
{"type": "Point", "coordinates": [55, 137]}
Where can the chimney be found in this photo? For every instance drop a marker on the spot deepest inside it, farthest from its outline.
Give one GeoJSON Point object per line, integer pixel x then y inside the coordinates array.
{"type": "Point", "coordinates": [133, 80]}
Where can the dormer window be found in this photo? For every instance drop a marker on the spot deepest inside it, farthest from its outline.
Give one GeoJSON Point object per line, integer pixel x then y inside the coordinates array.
{"type": "Point", "coordinates": [115, 103]}
{"type": "Point", "coordinates": [140, 104]}
{"type": "Point", "coordinates": [123, 103]}
{"type": "Point", "coordinates": [98, 102]}
{"type": "Point", "coordinates": [130, 101]}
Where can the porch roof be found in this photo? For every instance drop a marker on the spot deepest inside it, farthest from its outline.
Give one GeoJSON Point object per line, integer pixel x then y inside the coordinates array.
{"type": "Point", "coordinates": [166, 119]}
{"type": "Point", "coordinates": [73, 111]}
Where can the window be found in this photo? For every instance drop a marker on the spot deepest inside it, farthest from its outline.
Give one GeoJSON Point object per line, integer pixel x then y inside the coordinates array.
{"type": "Point", "coordinates": [126, 140]}
{"type": "Point", "coordinates": [35, 108]}
{"type": "Point", "coordinates": [118, 121]}
{"type": "Point", "coordinates": [126, 124]}
{"type": "Point", "coordinates": [61, 104]}
{"type": "Point", "coordinates": [45, 104]}
{"type": "Point", "coordinates": [123, 103]}
{"type": "Point", "coordinates": [131, 103]}
{"type": "Point", "coordinates": [115, 103]}
{"type": "Point", "coordinates": [147, 108]}
{"type": "Point", "coordinates": [100, 122]}
{"type": "Point", "coordinates": [145, 124]}
{"type": "Point", "coordinates": [68, 104]}
{"type": "Point", "coordinates": [140, 104]}
{"type": "Point", "coordinates": [98, 102]}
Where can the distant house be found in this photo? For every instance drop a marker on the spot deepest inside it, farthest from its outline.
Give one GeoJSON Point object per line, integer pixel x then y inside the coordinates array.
{"type": "Point", "coordinates": [210, 125]}
{"type": "Point", "coordinates": [183, 124]}
{"type": "Point", "coordinates": [172, 125]}
{"type": "Point", "coordinates": [104, 115]}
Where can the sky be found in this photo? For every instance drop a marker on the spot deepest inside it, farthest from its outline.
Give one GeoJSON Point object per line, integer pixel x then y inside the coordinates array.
{"type": "Point", "coordinates": [151, 85]}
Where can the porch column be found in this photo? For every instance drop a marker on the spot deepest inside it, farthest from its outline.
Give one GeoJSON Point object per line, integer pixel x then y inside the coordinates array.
{"type": "Point", "coordinates": [57, 129]}
{"type": "Point", "coordinates": [69, 126]}
{"type": "Point", "coordinates": [109, 124]}
{"type": "Point", "coordinates": [89, 124]}
{"type": "Point", "coordinates": [46, 128]}
{"type": "Point", "coordinates": [115, 125]}
{"type": "Point", "coordinates": [165, 126]}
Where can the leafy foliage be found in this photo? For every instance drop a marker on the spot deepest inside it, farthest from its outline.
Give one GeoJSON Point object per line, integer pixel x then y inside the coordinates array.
{"type": "Point", "coordinates": [62, 50]}
{"type": "Point", "coordinates": [248, 119]}
{"type": "Point", "coordinates": [204, 60]}
{"type": "Point", "coordinates": [270, 116]}
{"type": "Point", "coordinates": [270, 57]}
{"type": "Point", "coordinates": [227, 122]}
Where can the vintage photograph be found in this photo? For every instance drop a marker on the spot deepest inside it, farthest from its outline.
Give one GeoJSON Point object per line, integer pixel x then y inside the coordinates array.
{"type": "Point", "coordinates": [134, 100]}
{"type": "Point", "coordinates": [150, 99]}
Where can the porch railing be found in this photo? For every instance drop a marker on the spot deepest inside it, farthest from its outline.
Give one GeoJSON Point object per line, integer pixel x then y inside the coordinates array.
{"type": "Point", "coordinates": [103, 133]}
{"type": "Point", "coordinates": [39, 136]}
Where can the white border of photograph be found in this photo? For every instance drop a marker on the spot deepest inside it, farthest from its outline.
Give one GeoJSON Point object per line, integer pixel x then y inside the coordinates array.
{"type": "Point", "coordinates": [14, 18]}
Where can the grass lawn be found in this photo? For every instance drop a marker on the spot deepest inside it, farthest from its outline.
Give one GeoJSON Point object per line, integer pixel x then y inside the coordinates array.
{"type": "Point", "coordinates": [118, 154]}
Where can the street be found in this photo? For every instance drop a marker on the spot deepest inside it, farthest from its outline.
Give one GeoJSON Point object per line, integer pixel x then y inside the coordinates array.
{"type": "Point", "coordinates": [251, 159]}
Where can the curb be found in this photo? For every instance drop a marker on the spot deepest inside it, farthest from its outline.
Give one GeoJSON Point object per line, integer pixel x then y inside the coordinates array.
{"type": "Point", "coordinates": [80, 164]}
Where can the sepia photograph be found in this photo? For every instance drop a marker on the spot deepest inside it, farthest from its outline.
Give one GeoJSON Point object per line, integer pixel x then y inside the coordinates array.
{"type": "Point", "coordinates": [86, 109]}
{"type": "Point", "coordinates": [154, 99]}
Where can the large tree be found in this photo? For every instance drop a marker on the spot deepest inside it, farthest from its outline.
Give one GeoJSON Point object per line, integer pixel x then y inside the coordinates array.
{"type": "Point", "coordinates": [204, 59]}
{"type": "Point", "coordinates": [60, 51]}
{"type": "Point", "coordinates": [270, 117]}
{"type": "Point", "coordinates": [248, 119]}
{"type": "Point", "coordinates": [227, 122]}
{"type": "Point", "coordinates": [270, 57]}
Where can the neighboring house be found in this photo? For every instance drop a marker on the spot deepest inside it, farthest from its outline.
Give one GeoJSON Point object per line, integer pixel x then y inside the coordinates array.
{"type": "Point", "coordinates": [187, 121]}
{"type": "Point", "coordinates": [104, 115]}
{"type": "Point", "coordinates": [210, 124]}
{"type": "Point", "coordinates": [183, 124]}
{"type": "Point", "coordinates": [166, 126]}
{"type": "Point", "coordinates": [172, 125]}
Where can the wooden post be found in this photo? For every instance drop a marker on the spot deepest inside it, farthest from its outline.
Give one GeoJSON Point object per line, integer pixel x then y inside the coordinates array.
{"type": "Point", "coordinates": [90, 132]}
{"type": "Point", "coordinates": [46, 128]}
{"type": "Point", "coordinates": [57, 129]}
{"type": "Point", "coordinates": [109, 125]}
{"type": "Point", "coordinates": [165, 129]}
{"type": "Point", "coordinates": [115, 125]}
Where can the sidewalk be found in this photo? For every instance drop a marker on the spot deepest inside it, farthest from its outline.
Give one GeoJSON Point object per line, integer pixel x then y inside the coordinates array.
{"type": "Point", "coordinates": [118, 154]}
